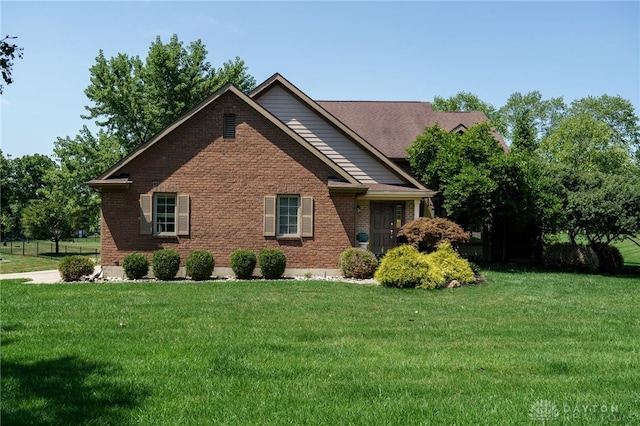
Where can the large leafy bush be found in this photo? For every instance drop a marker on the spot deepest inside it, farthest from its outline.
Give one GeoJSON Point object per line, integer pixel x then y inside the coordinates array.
{"type": "Point", "coordinates": [243, 262]}
{"type": "Point", "coordinates": [135, 266]}
{"type": "Point", "coordinates": [199, 265]}
{"type": "Point", "coordinates": [571, 257]}
{"type": "Point", "coordinates": [72, 268]}
{"type": "Point", "coordinates": [166, 264]}
{"type": "Point", "coordinates": [404, 267]}
{"type": "Point", "coordinates": [426, 233]}
{"type": "Point", "coordinates": [357, 263]}
{"type": "Point", "coordinates": [272, 262]}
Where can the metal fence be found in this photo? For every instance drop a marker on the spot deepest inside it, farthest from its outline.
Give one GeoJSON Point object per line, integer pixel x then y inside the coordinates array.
{"type": "Point", "coordinates": [47, 249]}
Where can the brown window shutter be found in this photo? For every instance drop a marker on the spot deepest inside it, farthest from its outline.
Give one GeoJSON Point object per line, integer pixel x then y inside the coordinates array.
{"type": "Point", "coordinates": [146, 214]}
{"type": "Point", "coordinates": [269, 216]}
{"type": "Point", "coordinates": [183, 214]}
{"type": "Point", "coordinates": [307, 216]}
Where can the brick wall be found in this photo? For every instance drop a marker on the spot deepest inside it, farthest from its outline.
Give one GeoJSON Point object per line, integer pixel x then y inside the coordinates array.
{"type": "Point", "coordinates": [226, 180]}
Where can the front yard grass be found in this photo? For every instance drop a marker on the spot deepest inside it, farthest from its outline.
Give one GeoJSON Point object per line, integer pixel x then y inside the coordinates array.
{"type": "Point", "coordinates": [17, 263]}
{"type": "Point", "coordinates": [524, 348]}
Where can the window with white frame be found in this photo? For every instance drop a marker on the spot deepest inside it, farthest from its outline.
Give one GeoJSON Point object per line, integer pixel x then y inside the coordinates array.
{"type": "Point", "coordinates": [164, 214]}
{"type": "Point", "coordinates": [288, 215]}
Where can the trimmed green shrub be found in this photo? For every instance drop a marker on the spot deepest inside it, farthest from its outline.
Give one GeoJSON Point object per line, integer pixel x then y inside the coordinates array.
{"type": "Point", "coordinates": [610, 258]}
{"type": "Point", "coordinates": [72, 268]}
{"type": "Point", "coordinates": [199, 265]}
{"type": "Point", "coordinates": [135, 266]}
{"type": "Point", "coordinates": [272, 262]}
{"type": "Point", "coordinates": [403, 266]}
{"type": "Point", "coordinates": [446, 265]}
{"type": "Point", "coordinates": [166, 264]}
{"type": "Point", "coordinates": [571, 257]}
{"type": "Point", "coordinates": [357, 263]}
{"type": "Point", "coordinates": [243, 262]}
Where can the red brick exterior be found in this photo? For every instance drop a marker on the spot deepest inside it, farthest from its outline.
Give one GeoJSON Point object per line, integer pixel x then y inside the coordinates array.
{"type": "Point", "coordinates": [226, 180]}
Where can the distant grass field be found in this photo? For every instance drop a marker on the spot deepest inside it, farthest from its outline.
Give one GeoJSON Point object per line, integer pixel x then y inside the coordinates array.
{"type": "Point", "coordinates": [630, 252]}
{"type": "Point", "coordinates": [524, 348]}
{"type": "Point", "coordinates": [39, 255]}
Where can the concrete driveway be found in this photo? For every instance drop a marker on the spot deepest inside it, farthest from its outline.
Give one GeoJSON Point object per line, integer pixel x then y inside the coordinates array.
{"type": "Point", "coordinates": [39, 277]}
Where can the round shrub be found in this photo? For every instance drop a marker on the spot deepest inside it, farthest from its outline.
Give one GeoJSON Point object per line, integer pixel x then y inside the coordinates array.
{"type": "Point", "coordinates": [243, 262]}
{"type": "Point", "coordinates": [403, 267]}
{"type": "Point", "coordinates": [446, 265]}
{"type": "Point", "coordinates": [426, 233]}
{"type": "Point", "coordinates": [610, 258]}
{"type": "Point", "coordinates": [72, 268]}
{"type": "Point", "coordinates": [571, 257]}
{"type": "Point", "coordinates": [272, 262]}
{"type": "Point", "coordinates": [166, 264]}
{"type": "Point", "coordinates": [199, 265]}
{"type": "Point", "coordinates": [357, 263]}
{"type": "Point", "coordinates": [135, 266]}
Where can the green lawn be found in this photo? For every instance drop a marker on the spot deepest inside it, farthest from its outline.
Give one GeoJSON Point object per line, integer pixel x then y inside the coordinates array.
{"type": "Point", "coordinates": [521, 349]}
{"type": "Point", "coordinates": [18, 263]}
{"type": "Point", "coordinates": [39, 255]}
{"type": "Point", "coordinates": [630, 252]}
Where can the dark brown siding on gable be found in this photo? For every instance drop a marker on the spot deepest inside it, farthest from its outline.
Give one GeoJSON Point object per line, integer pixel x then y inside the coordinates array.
{"type": "Point", "coordinates": [226, 181]}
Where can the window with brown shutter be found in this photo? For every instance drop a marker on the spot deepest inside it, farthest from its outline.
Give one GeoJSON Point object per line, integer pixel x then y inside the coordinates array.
{"type": "Point", "coordinates": [164, 214]}
{"type": "Point", "coordinates": [288, 216]}
{"type": "Point", "coordinates": [146, 214]}
{"type": "Point", "coordinates": [269, 216]}
{"type": "Point", "coordinates": [307, 217]}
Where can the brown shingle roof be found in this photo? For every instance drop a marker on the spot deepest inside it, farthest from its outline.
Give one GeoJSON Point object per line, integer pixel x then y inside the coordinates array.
{"type": "Point", "coordinates": [392, 126]}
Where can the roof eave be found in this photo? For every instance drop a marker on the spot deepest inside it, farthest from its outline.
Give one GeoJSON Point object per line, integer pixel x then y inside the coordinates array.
{"type": "Point", "coordinates": [109, 184]}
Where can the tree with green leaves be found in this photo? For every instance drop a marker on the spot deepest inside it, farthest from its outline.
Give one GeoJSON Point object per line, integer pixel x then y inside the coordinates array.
{"type": "Point", "coordinates": [465, 101]}
{"type": "Point", "coordinates": [22, 180]}
{"type": "Point", "coordinates": [79, 160]}
{"type": "Point", "coordinates": [50, 218]}
{"type": "Point", "coordinates": [592, 179]}
{"type": "Point", "coordinates": [135, 99]}
{"type": "Point", "coordinates": [466, 169]}
{"type": "Point", "coordinates": [526, 118]}
{"type": "Point", "coordinates": [9, 51]}
{"type": "Point", "coordinates": [603, 207]}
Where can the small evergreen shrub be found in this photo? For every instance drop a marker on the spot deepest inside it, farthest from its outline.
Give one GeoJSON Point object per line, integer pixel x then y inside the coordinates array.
{"type": "Point", "coordinates": [403, 267]}
{"type": "Point", "coordinates": [446, 265]}
{"type": "Point", "coordinates": [72, 268]}
{"type": "Point", "coordinates": [362, 237]}
{"type": "Point", "coordinates": [272, 262]}
{"type": "Point", "coordinates": [357, 263]}
{"type": "Point", "coordinates": [199, 265]}
{"type": "Point", "coordinates": [571, 257]}
{"type": "Point", "coordinates": [243, 262]}
{"type": "Point", "coordinates": [610, 258]}
{"type": "Point", "coordinates": [166, 264]}
{"type": "Point", "coordinates": [135, 266]}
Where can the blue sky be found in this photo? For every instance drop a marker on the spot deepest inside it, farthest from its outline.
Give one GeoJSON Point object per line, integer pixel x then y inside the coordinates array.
{"type": "Point", "coordinates": [408, 51]}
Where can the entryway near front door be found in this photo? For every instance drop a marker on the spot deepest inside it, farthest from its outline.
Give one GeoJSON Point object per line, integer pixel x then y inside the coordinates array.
{"type": "Point", "coordinates": [387, 217]}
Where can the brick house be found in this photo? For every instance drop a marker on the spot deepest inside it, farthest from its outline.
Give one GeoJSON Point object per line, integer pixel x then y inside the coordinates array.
{"type": "Point", "coordinates": [271, 169]}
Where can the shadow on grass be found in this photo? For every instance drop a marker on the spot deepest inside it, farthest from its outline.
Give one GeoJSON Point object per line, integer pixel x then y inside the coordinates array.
{"type": "Point", "coordinates": [629, 270]}
{"type": "Point", "coordinates": [65, 391]}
